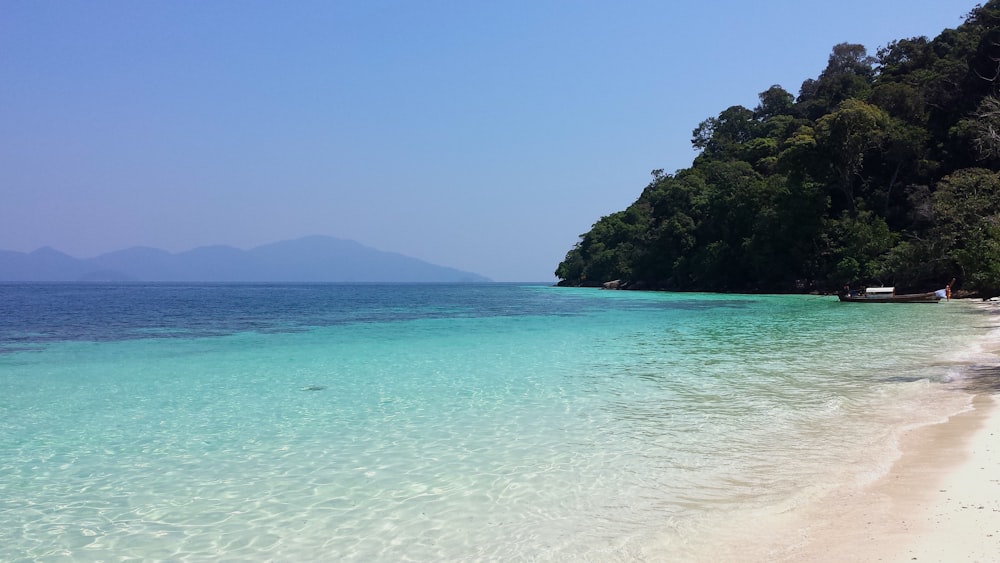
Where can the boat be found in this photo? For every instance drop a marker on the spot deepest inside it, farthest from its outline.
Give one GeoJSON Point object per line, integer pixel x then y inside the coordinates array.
{"type": "Point", "coordinates": [888, 295]}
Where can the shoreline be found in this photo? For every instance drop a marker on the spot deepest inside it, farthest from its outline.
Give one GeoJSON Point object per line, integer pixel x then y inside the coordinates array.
{"type": "Point", "coordinates": [939, 501]}
{"type": "Point", "coordinates": [950, 510]}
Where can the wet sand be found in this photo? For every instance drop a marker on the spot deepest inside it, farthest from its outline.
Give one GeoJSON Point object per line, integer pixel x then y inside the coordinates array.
{"type": "Point", "coordinates": [945, 513]}
{"type": "Point", "coordinates": [940, 502]}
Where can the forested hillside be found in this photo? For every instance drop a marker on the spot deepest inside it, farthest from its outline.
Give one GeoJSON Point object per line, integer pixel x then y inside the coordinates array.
{"type": "Point", "coordinates": [884, 170]}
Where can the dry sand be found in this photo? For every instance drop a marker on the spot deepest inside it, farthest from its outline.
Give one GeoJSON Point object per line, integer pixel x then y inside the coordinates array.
{"type": "Point", "coordinates": [939, 502]}
{"type": "Point", "coordinates": [947, 513]}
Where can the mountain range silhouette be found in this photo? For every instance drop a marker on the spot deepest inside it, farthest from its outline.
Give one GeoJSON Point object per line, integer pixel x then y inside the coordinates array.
{"type": "Point", "coordinates": [308, 259]}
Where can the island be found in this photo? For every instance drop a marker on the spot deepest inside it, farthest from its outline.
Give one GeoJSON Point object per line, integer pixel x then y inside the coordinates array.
{"type": "Point", "coordinates": [883, 170]}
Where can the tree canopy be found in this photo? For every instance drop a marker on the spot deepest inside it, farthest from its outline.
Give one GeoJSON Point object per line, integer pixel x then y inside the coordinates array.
{"type": "Point", "coordinates": [884, 169]}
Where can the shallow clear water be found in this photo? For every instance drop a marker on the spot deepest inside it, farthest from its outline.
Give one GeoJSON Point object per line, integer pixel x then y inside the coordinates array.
{"type": "Point", "coordinates": [433, 422]}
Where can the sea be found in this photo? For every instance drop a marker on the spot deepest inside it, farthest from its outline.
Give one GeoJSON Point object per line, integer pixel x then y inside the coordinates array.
{"type": "Point", "coordinates": [438, 422]}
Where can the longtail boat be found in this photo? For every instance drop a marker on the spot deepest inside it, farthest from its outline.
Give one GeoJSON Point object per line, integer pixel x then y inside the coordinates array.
{"type": "Point", "coordinates": [888, 295]}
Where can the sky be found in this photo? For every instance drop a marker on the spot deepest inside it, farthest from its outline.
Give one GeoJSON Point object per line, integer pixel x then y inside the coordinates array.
{"type": "Point", "coordinates": [480, 135]}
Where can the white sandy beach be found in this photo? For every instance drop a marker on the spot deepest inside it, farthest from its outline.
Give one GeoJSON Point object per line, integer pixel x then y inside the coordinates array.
{"type": "Point", "coordinates": [948, 510]}
{"type": "Point", "coordinates": [940, 502]}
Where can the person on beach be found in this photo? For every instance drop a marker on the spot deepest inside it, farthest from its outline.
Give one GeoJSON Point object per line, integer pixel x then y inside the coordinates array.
{"type": "Point", "coordinates": [946, 292]}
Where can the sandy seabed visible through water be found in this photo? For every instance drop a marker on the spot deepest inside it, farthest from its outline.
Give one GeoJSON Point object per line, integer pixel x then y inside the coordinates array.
{"type": "Point", "coordinates": [455, 422]}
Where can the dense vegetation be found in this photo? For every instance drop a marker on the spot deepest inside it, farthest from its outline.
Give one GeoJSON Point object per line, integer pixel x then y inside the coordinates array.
{"type": "Point", "coordinates": [884, 170]}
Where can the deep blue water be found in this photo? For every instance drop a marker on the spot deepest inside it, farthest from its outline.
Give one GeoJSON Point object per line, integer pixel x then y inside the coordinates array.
{"type": "Point", "coordinates": [52, 312]}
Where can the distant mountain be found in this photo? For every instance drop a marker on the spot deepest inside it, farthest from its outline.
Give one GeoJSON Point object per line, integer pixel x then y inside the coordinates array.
{"type": "Point", "coordinates": [309, 259]}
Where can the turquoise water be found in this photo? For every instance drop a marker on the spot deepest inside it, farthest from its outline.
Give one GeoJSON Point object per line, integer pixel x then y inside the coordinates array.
{"type": "Point", "coordinates": [452, 422]}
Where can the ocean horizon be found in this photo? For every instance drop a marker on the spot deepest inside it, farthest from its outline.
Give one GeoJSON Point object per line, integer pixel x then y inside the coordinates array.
{"type": "Point", "coordinates": [427, 422]}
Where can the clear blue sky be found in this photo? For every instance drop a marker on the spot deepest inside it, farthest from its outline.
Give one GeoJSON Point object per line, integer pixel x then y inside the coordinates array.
{"type": "Point", "coordinates": [481, 135]}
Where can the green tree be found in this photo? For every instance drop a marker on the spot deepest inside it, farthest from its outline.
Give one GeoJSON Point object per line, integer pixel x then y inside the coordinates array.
{"type": "Point", "coordinates": [883, 169]}
{"type": "Point", "coordinates": [901, 101]}
{"type": "Point", "coordinates": [982, 130]}
{"type": "Point", "coordinates": [844, 136]}
{"type": "Point", "coordinates": [858, 247]}
{"type": "Point", "coordinates": [774, 101]}
{"type": "Point", "coordinates": [721, 136]}
{"type": "Point", "coordinates": [966, 233]}
{"type": "Point", "coordinates": [849, 73]}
